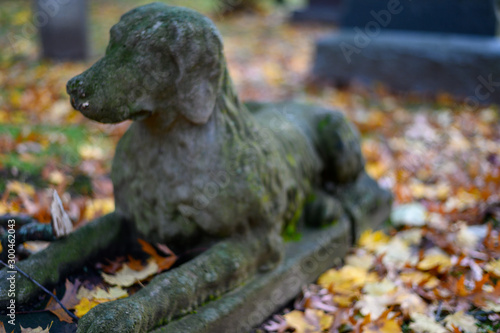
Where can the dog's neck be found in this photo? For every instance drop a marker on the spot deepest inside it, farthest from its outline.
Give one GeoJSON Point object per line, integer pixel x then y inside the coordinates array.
{"type": "Point", "coordinates": [229, 117]}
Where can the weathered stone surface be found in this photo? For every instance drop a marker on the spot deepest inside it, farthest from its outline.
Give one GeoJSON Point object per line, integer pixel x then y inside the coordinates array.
{"type": "Point", "coordinates": [250, 304]}
{"type": "Point", "coordinates": [465, 66]}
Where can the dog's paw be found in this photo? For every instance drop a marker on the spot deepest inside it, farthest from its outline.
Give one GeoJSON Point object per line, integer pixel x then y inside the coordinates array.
{"type": "Point", "coordinates": [122, 316]}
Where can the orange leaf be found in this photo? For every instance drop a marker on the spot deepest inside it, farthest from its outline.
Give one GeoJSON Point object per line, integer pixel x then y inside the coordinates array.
{"type": "Point", "coordinates": [69, 300]}
{"type": "Point", "coordinates": [163, 263]}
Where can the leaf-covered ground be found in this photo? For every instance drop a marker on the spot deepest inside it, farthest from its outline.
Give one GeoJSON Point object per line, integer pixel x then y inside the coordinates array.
{"type": "Point", "coordinates": [441, 159]}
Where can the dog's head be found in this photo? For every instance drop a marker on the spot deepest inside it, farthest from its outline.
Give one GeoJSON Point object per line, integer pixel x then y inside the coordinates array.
{"type": "Point", "coordinates": [160, 59]}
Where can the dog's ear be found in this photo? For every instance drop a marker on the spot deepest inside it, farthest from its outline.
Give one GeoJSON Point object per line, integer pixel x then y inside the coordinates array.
{"type": "Point", "coordinates": [196, 103]}
{"type": "Point", "coordinates": [197, 54]}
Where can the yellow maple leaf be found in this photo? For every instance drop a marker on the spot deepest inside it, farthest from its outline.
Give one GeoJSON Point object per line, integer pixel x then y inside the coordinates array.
{"type": "Point", "coordinates": [382, 326]}
{"type": "Point", "coordinates": [125, 277]}
{"type": "Point", "coordinates": [86, 305]}
{"type": "Point", "coordinates": [297, 321]}
{"type": "Point", "coordinates": [39, 329]}
{"type": "Point", "coordinates": [425, 324]}
{"type": "Point", "coordinates": [111, 294]}
{"type": "Point", "coordinates": [493, 267]}
{"type": "Point", "coordinates": [435, 260]}
{"type": "Point", "coordinates": [373, 240]}
{"type": "Point", "coordinates": [347, 278]}
{"type": "Point", "coordinates": [461, 320]}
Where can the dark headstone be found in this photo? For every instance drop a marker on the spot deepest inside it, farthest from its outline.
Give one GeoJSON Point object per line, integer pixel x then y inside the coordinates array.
{"type": "Point", "coordinates": [427, 46]}
{"type": "Point", "coordinates": [63, 28]}
{"type": "Point", "coordinates": [476, 17]}
{"type": "Point", "coordinates": [327, 11]}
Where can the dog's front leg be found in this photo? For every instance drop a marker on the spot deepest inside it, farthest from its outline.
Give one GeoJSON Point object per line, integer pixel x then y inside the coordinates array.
{"type": "Point", "coordinates": [221, 268]}
{"type": "Point", "coordinates": [63, 257]}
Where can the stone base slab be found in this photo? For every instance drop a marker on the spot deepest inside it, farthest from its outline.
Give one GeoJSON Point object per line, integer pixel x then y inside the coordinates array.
{"type": "Point", "coordinates": [465, 66]}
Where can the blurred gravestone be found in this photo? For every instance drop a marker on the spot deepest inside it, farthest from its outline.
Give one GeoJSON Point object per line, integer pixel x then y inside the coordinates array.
{"type": "Point", "coordinates": [328, 11]}
{"type": "Point", "coordinates": [427, 46]}
{"type": "Point", "coordinates": [63, 28]}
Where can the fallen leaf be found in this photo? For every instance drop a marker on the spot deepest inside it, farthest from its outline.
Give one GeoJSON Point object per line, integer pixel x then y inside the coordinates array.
{"type": "Point", "coordinates": [435, 260]}
{"type": "Point", "coordinates": [297, 321]}
{"type": "Point", "coordinates": [425, 324]}
{"type": "Point", "coordinates": [69, 300]}
{"type": "Point", "coordinates": [163, 263]}
{"type": "Point", "coordinates": [125, 277]}
{"type": "Point", "coordinates": [412, 214]}
{"type": "Point", "coordinates": [99, 293]}
{"type": "Point", "coordinates": [361, 260]}
{"type": "Point", "coordinates": [371, 240]}
{"type": "Point", "coordinates": [374, 306]}
{"type": "Point", "coordinates": [380, 288]}
{"type": "Point", "coordinates": [493, 267]}
{"type": "Point", "coordinates": [86, 305]}
{"type": "Point", "coordinates": [461, 320]}
{"type": "Point", "coordinates": [61, 224]}
{"type": "Point", "coordinates": [382, 326]}
{"type": "Point", "coordinates": [36, 330]}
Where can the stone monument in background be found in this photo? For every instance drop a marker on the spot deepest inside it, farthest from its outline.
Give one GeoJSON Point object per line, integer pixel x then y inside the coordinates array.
{"type": "Point", "coordinates": [63, 29]}
{"type": "Point", "coordinates": [426, 46]}
{"type": "Point", "coordinates": [325, 11]}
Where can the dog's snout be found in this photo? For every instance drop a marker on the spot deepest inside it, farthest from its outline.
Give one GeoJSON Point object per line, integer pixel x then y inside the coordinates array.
{"type": "Point", "coordinates": [75, 88]}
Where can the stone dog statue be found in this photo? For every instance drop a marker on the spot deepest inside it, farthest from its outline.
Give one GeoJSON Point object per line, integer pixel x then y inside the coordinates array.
{"type": "Point", "coordinates": [199, 167]}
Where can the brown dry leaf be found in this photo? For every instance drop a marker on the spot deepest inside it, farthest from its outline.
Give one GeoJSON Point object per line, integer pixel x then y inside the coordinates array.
{"type": "Point", "coordinates": [425, 324]}
{"type": "Point", "coordinates": [163, 263]}
{"type": "Point", "coordinates": [135, 264]}
{"type": "Point", "coordinates": [125, 277]}
{"type": "Point", "coordinates": [36, 330]}
{"type": "Point", "coordinates": [461, 320]}
{"type": "Point", "coordinates": [69, 300]}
